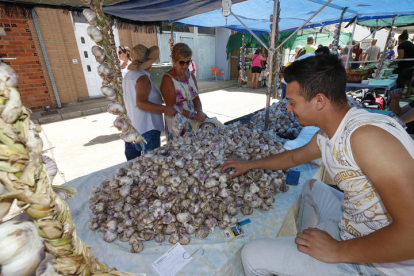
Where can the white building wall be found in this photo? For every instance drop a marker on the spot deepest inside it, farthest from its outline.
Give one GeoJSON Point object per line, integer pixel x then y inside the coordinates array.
{"type": "Point", "coordinates": [222, 36]}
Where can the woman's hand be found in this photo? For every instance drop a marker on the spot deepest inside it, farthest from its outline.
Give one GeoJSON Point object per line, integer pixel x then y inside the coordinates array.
{"type": "Point", "coordinates": [170, 111]}
{"type": "Point", "coordinates": [200, 117]}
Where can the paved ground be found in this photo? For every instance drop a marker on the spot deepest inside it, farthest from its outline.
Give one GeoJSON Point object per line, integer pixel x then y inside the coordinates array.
{"type": "Point", "coordinates": [90, 143]}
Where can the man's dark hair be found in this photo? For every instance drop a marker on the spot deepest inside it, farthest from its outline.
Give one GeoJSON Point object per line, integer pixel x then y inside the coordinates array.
{"type": "Point", "coordinates": [319, 74]}
{"type": "Point", "coordinates": [324, 50]}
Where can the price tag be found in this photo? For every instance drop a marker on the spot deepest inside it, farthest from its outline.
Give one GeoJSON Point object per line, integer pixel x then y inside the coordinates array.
{"type": "Point", "coordinates": [233, 232]}
{"type": "Point", "coordinates": [172, 261]}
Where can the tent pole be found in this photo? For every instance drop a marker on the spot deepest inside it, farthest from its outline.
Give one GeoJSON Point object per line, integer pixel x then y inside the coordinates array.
{"type": "Point", "coordinates": [270, 59]}
{"type": "Point", "coordinates": [350, 48]}
{"type": "Point", "coordinates": [304, 23]}
{"type": "Point", "coordinates": [250, 31]}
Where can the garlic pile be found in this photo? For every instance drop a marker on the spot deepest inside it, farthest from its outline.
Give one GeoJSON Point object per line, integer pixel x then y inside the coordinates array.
{"type": "Point", "coordinates": [179, 189]}
{"type": "Point", "coordinates": [282, 122]}
{"type": "Point", "coordinates": [100, 31]}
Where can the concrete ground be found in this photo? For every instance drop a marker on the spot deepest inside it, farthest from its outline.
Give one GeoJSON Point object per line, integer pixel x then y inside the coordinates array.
{"type": "Point", "coordinates": [89, 143]}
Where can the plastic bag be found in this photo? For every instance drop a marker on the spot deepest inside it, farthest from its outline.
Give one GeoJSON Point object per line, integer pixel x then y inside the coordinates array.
{"type": "Point", "coordinates": [178, 124]}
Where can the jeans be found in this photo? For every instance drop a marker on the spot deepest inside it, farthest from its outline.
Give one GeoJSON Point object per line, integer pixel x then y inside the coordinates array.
{"type": "Point", "coordinates": [321, 207]}
{"type": "Point", "coordinates": [131, 152]}
{"type": "Point", "coordinates": [153, 138]}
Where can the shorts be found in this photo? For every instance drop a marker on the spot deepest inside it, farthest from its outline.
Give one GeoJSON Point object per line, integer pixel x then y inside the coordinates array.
{"type": "Point", "coordinates": [257, 69]}
{"type": "Point", "coordinates": [153, 138]}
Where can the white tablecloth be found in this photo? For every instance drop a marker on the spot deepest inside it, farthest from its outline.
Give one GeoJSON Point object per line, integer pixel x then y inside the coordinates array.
{"type": "Point", "coordinates": [221, 257]}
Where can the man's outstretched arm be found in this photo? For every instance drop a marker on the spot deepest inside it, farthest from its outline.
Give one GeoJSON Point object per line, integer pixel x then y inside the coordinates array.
{"type": "Point", "coordinates": [284, 160]}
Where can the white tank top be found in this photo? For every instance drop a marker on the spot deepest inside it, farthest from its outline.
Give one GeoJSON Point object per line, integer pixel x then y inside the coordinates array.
{"type": "Point", "coordinates": [143, 121]}
{"type": "Point", "coordinates": [363, 212]}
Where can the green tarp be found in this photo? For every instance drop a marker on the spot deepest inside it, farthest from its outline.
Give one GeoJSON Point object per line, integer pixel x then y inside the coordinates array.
{"type": "Point", "coordinates": [324, 38]}
{"type": "Point", "coordinates": [385, 22]}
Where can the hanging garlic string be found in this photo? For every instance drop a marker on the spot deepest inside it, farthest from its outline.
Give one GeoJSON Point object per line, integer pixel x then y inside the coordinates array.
{"type": "Point", "coordinates": [171, 40]}
{"type": "Point", "coordinates": [100, 30]}
{"type": "Point", "coordinates": [242, 61]}
{"type": "Point", "coordinates": [379, 72]}
{"type": "Point", "coordinates": [337, 33]}
{"type": "Point", "coordinates": [28, 186]}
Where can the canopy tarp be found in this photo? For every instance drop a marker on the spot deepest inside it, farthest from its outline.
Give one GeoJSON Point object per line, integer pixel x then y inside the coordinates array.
{"type": "Point", "coordinates": [255, 14]}
{"type": "Point", "coordinates": [235, 41]}
{"type": "Point", "coordinates": [385, 22]}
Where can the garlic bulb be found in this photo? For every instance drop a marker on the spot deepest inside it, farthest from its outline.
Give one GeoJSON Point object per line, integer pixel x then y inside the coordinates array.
{"type": "Point", "coordinates": [116, 108]}
{"type": "Point", "coordinates": [90, 16]}
{"type": "Point", "coordinates": [8, 76]}
{"type": "Point", "coordinates": [21, 248]}
{"type": "Point", "coordinates": [121, 124]}
{"type": "Point", "coordinates": [94, 33]}
{"type": "Point", "coordinates": [13, 108]}
{"type": "Point", "coordinates": [108, 92]}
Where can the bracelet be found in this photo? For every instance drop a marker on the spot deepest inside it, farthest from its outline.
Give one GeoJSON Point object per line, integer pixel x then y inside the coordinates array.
{"type": "Point", "coordinates": [198, 111]}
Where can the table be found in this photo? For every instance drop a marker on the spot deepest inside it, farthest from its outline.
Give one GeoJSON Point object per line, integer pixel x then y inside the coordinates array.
{"type": "Point", "coordinates": [221, 257]}
{"type": "Point", "coordinates": [387, 84]}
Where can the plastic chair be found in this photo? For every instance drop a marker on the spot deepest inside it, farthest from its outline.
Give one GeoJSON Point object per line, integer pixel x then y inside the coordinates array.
{"type": "Point", "coordinates": [216, 72]}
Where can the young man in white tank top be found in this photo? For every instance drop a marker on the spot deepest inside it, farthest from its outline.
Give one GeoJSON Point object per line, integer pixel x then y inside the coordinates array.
{"type": "Point", "coordinates": [367, 229]}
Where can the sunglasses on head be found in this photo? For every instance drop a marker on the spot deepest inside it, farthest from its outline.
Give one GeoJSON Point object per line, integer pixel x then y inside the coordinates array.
{"type": "Point", "coordinates": [120, 52]}
{"type": "Point", "coordinates": [182, 62]}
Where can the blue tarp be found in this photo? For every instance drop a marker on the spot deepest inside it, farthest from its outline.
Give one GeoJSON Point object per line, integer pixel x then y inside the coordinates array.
{"type": "Point", "coordinates": [161, 10]}
{"type": "Point", "coordinates": [255, 13]}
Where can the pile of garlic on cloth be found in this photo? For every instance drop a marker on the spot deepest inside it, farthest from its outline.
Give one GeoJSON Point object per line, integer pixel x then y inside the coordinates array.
{"type": "Point", "coordinates": [180, 191]}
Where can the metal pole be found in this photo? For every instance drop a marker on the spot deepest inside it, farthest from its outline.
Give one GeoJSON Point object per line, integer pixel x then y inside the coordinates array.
{"type": "Point", "coordinates": [270, 59]}
{"type": "Point", "coordinates": [306, 22]}
{"type": "Point", "coordinates": [250, 31]}
{"type": "Point", "coordinates": [49, 69]}
{"type": "Point", "coordinates": [350, 43]}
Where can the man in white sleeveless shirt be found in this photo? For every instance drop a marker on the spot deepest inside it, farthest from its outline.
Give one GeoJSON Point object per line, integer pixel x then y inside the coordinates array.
{"type": "Point", "coordinates": [368, 228]}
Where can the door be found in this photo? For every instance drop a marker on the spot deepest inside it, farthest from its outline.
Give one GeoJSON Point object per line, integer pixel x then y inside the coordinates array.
{"type": "Point", "coordinates": [89, 64]}
{"type": "Point", "coordinates": [207, 56]}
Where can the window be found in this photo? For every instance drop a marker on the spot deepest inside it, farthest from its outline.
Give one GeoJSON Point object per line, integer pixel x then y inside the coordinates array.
{"type": "Point", "coordinates": [85, 53]}
{"type": "Point", "coordinates": [210, 31]}
{"type": "Point", "coordinates": [88, 67]}
{"type": "Point", "coordinates": [82, 40]}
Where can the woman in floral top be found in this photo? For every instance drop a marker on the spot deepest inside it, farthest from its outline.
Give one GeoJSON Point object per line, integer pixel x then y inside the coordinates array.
{"type": "Point", "coordinates": [179, 89]}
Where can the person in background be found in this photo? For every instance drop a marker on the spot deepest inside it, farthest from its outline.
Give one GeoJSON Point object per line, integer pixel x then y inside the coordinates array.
{"type": "Point", "coordinates": [372, 53]}
{"type": "Point", "coordinates": [391, 53]}
{"type": "Point", "coordinates": [346, 56]}
{"type": "Point", "coordinates": [179, 90]}
{"type": "Point", "coordinates": [257, 59]}
{"type": "Point", "coordinates": [330, 46]}
{"type": "Point", "coordinates": [357, 51]}
{"type": "Point", "coordinates": [320, 51]}
{"type": "Point", "coordinates": [405, 67]}
{"type": "Point", "coordinates": [320, 45]}
{"type": "Point", "coordinates": [298, 49]}
{"type": "Point", "coordinates": [309, 47]}
{"type": "Point", "coordinates": [406, 113]}
{"type": "Point", "coordinates": [125, 58]}
{"type": "Point", "coordinates": [368, 228]}
{"type": "Point", "coordinates": [143, 101]}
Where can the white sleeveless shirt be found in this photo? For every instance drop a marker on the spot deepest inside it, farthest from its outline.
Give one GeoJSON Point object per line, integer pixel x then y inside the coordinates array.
{"type": "Point", "coordinates": [143, 121]}
{"type": "Point", "coordinates": [363, 211]}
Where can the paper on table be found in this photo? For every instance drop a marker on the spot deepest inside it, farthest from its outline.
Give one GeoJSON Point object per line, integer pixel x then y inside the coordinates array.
{"type": "Point", "coordinates": [172, 261]}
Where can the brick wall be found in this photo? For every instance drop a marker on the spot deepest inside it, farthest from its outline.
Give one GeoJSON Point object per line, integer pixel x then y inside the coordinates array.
{"type": "Point", "coordinates": [19, 43]}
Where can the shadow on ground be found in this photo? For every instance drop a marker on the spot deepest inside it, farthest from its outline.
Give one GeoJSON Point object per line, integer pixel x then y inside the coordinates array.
{"type": "Point", "coordinates": [103, 139]}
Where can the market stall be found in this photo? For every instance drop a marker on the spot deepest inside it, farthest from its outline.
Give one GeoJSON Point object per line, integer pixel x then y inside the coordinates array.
{"type": "Point", "coordinates": [262, 196]}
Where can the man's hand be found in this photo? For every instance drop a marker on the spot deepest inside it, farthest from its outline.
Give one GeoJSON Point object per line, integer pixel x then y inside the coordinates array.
{"type": "Point", "coordinates": [200, 116]}
{"type": "Point", "coordinates": [318, 244]}
{"type": "Point", "coordinates": [240, 165]}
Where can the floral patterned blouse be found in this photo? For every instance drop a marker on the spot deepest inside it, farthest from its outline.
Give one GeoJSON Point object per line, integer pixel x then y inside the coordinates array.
{"type": "Point", "coordinates": [185, 92]}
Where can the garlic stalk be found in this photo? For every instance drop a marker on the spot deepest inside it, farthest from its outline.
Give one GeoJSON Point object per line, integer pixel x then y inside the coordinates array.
{"type": "Point", "coordinates": [26, 184]}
